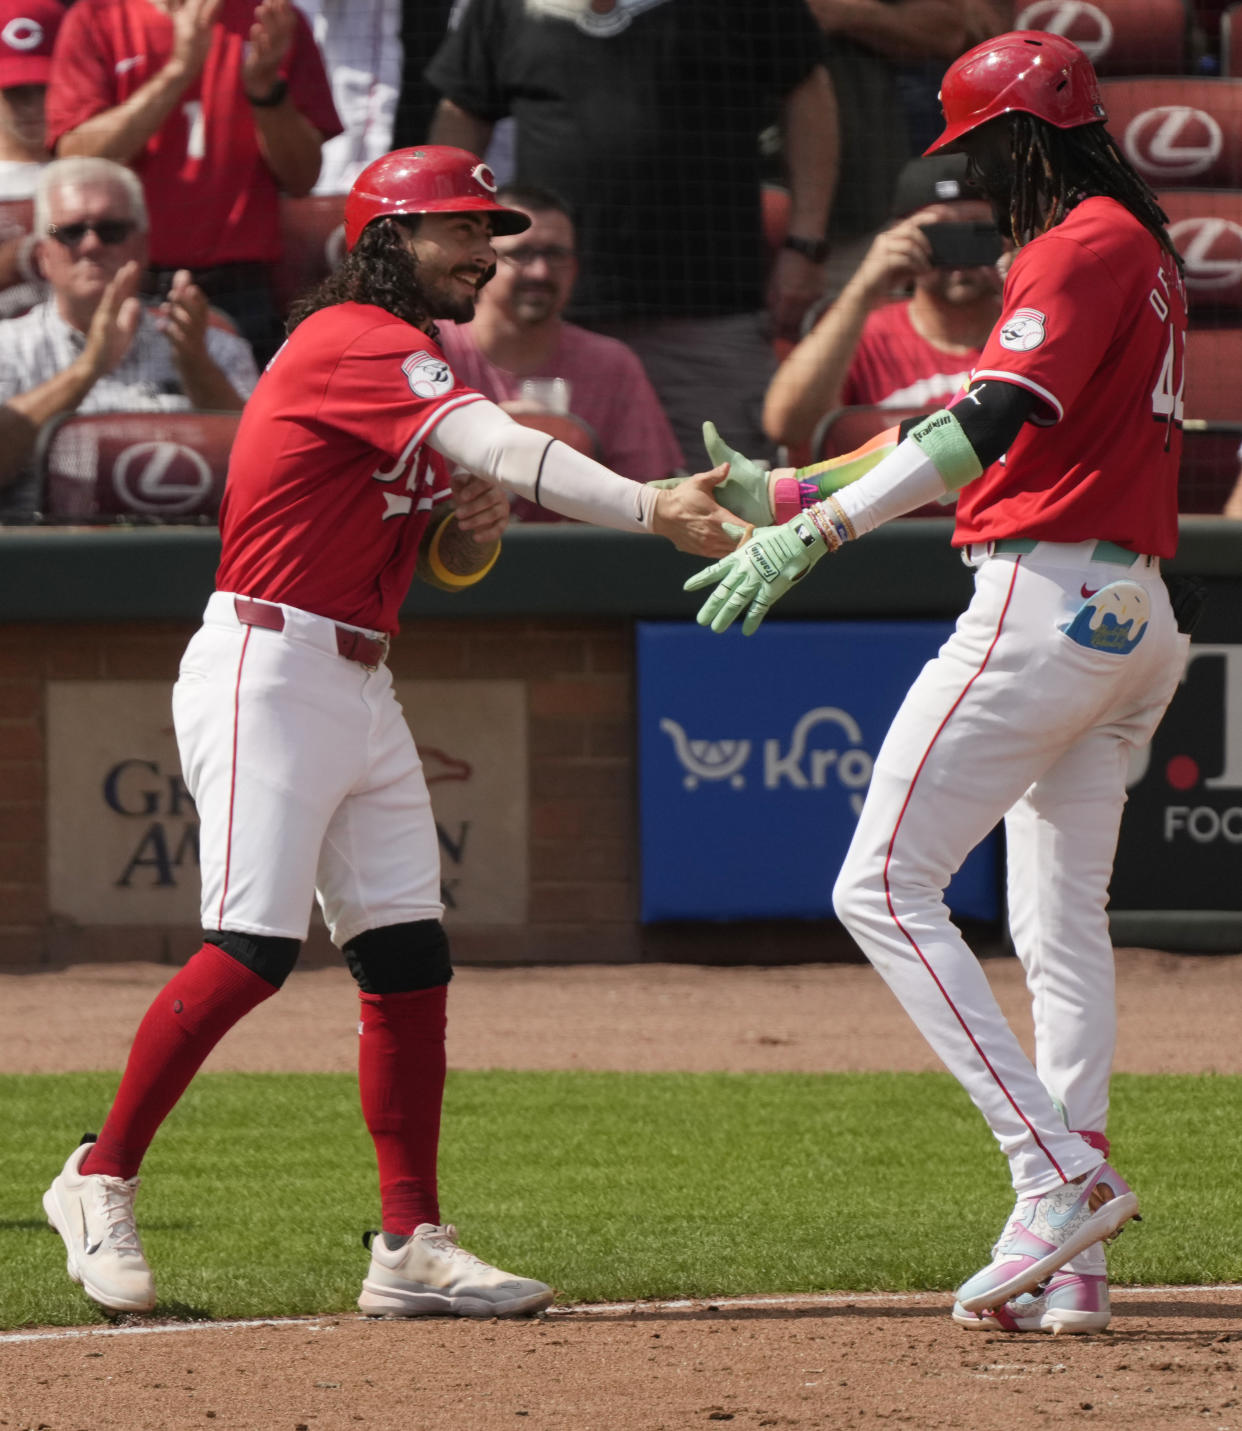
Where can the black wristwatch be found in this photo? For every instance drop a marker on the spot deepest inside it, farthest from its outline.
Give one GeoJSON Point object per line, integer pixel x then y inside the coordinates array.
{"type": "Point", "coordinates": [814, 249]}
{"type": "Point", "coordinates": [274, 96]}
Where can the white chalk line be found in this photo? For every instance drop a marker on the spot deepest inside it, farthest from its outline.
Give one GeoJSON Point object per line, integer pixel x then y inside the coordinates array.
{"type": "Point", "coordinates": [586, 1310]}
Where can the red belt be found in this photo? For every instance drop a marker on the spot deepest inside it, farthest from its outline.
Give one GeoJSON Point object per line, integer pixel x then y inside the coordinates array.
{"type": "Point", "coordinates": [353, 645]}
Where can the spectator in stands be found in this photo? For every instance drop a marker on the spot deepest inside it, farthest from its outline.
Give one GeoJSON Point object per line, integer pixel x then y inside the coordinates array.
{"type": "Point", "coordinates": [218, 105]}
{"type": "Point", "coordinates": [646, 118]}
{"type": "Point", "coordinates": [91, 346]}
{"type": "Point", "coordinates": [868, 349]}
{"type": "Point", "coordinates": [422, 30]}
{"type": "Point", "coordinates": [27, 33]}
{"type": "Point", "coordinates": [518, 334]}
{"type": "Point", "coordinates": [874, 51]}
{"type": "Point", "coordinates": [360, 41]}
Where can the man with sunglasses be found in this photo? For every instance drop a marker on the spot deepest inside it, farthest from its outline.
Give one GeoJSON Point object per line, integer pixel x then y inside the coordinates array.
{"type": "Point", "coordinates": [518, 333]}
{"type": "Point", "coordinates": [220, 106]}
{"type": "Point", "coordinates": [90, 346]}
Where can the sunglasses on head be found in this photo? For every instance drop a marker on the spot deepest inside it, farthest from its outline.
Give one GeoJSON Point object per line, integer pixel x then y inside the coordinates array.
{"type": "Point", "coordinates": [109, 231]}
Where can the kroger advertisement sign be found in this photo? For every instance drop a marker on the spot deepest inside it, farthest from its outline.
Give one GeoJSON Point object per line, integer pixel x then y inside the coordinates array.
{"type": "Point", "coordinates": [754, 757]}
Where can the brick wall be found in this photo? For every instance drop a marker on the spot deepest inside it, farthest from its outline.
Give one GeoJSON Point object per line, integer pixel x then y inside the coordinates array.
{"type": "Point", "coordinates": [579, 680]}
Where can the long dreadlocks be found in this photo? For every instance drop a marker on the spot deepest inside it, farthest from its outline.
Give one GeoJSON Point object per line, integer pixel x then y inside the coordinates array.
{"type": "Point", "coordinates": [1054, 168]}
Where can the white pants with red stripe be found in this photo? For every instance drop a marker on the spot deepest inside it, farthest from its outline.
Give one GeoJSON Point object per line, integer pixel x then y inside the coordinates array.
{"type": "Point", "coordinates": [1013, 720]}
{"type": "Point", "coordinates": [307, 782]}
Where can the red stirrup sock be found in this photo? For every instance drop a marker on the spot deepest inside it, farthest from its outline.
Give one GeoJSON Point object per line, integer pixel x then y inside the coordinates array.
{"type": "Point", "coordinates": [401, 1082]}
{"type": "Point", "coordinates": [188, 1017]}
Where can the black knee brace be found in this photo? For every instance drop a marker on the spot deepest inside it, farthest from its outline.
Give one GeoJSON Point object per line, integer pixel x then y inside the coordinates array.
{"type": "Point", "coordinates": [400, 958]}
{"type": "Point", "coordinates": [269, 957]}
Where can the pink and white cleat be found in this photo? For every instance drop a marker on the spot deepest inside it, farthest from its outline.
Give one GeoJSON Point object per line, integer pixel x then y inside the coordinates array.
{"type": "Point", "coordinates": [1045, 1232]}
{"type": "Point", "coordinates": [1068, 1303]}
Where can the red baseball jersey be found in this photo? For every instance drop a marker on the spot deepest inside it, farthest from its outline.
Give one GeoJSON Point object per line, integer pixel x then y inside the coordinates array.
{"type": "Point", "coordinates": [895, 366]}
{"type": "Point", "coordinates": [212, 199]}
{"type": "Point", "coordinates": [1094, 325]}
{"type": "Point", "coordinates": [331, 483]}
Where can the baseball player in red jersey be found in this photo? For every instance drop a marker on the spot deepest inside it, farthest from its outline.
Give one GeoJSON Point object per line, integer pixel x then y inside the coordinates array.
{"type": "Point", "coordinates": [306, 778]}
{"type": "Point", "coordinates": [1066, 449]}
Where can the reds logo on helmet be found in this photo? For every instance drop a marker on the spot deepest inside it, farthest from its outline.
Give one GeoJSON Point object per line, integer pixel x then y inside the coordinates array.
{"type": "Point", "coordinates": [1173, 142]}
{"type": "Point", "coordinates": [1087, 25]}
{"type": "Point", "coordinates": [430, 179]}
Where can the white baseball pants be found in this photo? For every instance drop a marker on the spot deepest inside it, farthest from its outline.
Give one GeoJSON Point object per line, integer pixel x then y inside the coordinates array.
{"type": "Point", "coordinates": [1014, 720]}
{"type": "Point", "coordinates": [307, 782]}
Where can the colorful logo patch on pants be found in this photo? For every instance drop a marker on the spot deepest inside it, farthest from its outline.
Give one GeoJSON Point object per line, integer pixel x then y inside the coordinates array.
{"type": "Point", "coordinates": [1114, 619]}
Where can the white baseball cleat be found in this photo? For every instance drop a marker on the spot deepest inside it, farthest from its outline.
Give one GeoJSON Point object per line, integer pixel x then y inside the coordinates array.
{"type": "Point", "coordinates": [94, 1215]}
{"type": "Point", "coordinates": [430, 1275]}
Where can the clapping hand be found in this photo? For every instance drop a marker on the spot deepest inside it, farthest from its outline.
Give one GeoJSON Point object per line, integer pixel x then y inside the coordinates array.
{"type": "Point", "coordinates": [114, 323]}
{"type": "Point", "coordinates": [271, 38]}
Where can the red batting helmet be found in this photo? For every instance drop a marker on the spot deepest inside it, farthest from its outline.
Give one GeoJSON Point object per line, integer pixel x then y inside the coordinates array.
{"type": "Point", "coordinates": [433, 179]}
{"type": "Point", "coordinates": [1030, 70]}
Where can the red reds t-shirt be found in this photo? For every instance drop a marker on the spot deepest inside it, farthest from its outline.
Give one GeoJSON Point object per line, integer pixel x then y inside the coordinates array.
{"type": "Point", "coordinates": [894, 366]}
{"type": "Point", "coordinates": [211, 197]}
{"type": "Point", "coordinates": [331, 483]}
{"type": "Point", "coordinates": [1094, 325]}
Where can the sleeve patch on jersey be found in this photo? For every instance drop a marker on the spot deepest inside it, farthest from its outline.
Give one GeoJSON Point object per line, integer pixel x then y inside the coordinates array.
{"type": "Point", "coordinates": [427, 376]}
{"type": "Point", "coordinates": [1023, 331]}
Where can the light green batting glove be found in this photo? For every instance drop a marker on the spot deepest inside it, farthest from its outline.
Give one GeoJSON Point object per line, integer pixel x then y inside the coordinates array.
{"type": "Point", "coordinates": [759, 573]}
{"type": "Point", "coordinates": [746, 491]}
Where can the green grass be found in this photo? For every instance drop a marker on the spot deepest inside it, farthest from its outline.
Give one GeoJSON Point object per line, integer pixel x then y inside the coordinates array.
{"type": "Point", "coordinates": [610, 1186]}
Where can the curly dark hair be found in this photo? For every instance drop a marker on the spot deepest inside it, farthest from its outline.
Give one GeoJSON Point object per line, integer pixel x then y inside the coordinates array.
{"type": "Point", "coordinates": [1054, 168]}
{"type": "Point", "coordinates": [378, 269]}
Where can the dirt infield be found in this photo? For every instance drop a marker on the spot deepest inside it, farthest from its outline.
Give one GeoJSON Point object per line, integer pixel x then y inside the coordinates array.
{"type": "Point", "coordinates": [1170, 1361]}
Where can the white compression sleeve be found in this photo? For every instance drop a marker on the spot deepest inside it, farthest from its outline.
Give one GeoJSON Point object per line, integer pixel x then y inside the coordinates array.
{"type": "Point", "coordinates": [483, 439]}
{"type": "Point", "coordinates": [906, 479]}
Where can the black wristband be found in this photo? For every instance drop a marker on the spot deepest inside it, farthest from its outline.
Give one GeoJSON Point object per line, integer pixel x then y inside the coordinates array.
{"type": "Point", "coordinates": [274, 96]}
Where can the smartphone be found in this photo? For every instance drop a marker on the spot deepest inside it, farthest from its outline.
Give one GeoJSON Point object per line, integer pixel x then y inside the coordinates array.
{"type": "Point", "coordinates": [973, 245]}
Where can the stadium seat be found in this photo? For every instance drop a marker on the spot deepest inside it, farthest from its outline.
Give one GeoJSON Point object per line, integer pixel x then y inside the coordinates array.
{"type": "Point", "coordinates": [1121, 37]}
{"type": "Point", "coordinates": [313, 233]}
{"type": "Point", "coordinates": [1210, 465]}
{"type": "Point", "coordinates": [1230, 41]}
{"type": "Point", "coordinates": [1206, 226]}
{"type": "Point", "coordinates": [1179, 133]}
{"type": "Point", "coordinates": [1213, 365]}
{"type": "Point", "coordinates": [571, 430]}
{"type": "Point", "coordinates": [135, 467]}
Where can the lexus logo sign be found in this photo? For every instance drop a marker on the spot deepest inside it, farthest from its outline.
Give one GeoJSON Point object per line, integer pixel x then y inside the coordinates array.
{"type": "Point", "coordinates": [1087, 25]}
{"type": "Point", "coordinates": [1173, 141]}
{"type": "Point", "coordinates": [1212, 249]}
{"type": "Point", "coordinates": [162, 478]}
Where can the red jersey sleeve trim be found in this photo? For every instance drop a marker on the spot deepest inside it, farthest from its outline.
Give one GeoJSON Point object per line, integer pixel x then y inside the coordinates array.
{"type": "Point", "coordinates": [1019, 380]}
{"type": "Point", "coordinates": [431, 419]}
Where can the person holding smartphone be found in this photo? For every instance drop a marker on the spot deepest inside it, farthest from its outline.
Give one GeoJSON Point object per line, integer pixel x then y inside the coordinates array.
{"type": "Point", "coordinates": [868, 349]}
